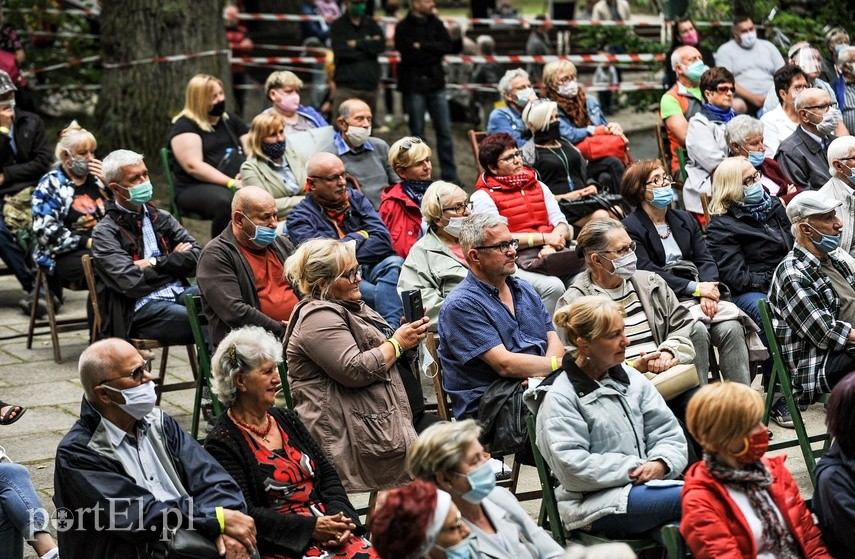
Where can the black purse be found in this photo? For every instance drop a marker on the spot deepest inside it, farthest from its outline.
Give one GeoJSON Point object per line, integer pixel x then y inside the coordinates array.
{"type": "Point", "coordinates": [181, 543]}
{"type": "Point", "coordinates": [574, 210]}
{"type": "Point", "coordinates": [234, 157]}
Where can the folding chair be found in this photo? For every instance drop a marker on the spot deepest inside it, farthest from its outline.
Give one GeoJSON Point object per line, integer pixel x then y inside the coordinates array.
{"type": "Point", "coordinates": [167, 158]}
{"type": "Point", "coordinates": [550, 519]}
{"type": "Point", "coordinates": [662, 144]}
{"type": "Point", "coordinates": [443, 405]}
{"type": "Point", "coordinates": [780, 380]}
{"type": "Point", "coordinates": [683, 159]}
{"type": "Point", "coordinates": [55, 325]}
{"type": "Point", "coordinates": [139, 343]}
{"type": "Point", "coordinates": [203, 379]}
{"type": "Point", "coordinates": [475, 138]}
{"type": "Point", "coordinates": [705, 204]}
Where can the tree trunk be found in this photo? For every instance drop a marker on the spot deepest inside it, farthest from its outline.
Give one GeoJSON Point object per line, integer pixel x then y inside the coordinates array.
{"type": "Point", "coordinates": [137, 102]}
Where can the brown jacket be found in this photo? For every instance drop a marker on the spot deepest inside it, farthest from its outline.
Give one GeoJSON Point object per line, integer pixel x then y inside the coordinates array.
{"type": "Point", "coordinates": [355, 409]}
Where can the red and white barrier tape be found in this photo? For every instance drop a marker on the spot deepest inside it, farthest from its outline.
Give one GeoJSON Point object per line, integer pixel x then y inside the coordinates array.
{"type": "Point", "coordinates": [456, 59]}
{"type": "Point", "coordinates": [159, 59]}
{"type": "Point", "coordinates": [61, 65]}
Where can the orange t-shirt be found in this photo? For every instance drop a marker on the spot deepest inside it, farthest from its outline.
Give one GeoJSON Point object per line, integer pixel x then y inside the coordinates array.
{"type": "Point", "coordinates": [275, 295]}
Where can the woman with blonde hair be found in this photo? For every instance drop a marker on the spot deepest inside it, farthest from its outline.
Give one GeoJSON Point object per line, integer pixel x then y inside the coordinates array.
{"type": "Point", "coordinates": [450, 456]}
{"type": "Point", "coordinates": [581, 117]}
{"type": "Point", "coordinates": [207, 143]}
{"type": "Point", "coordinates": [737, 502]}
{"type": "Point", "coordinates": [348, 369]}
{"type": "Point", "coordinates": [400, 204]}
{"type": "Point", "coordinates": [271, 165]}
{"type": "Point", "coordinates": [605, 431]}
{"type": "Point", "coordinates": [67, 203]}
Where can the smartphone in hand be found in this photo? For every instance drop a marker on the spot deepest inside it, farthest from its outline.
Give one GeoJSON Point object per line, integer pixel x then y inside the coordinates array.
{"type": "Point", "coordinates": [413, 307]}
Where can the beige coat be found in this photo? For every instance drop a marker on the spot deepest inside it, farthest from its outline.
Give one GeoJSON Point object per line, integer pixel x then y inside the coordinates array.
{"type": "Point", "coordinates": [355, 409]}
{"type": "Point", "coordinates": [255, 171]}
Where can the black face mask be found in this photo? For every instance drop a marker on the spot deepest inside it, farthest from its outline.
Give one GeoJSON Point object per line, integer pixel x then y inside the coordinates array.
{"type": "Point", "coordinates": [551, 134]}
{"type": "Point", "coordinates": [218, 109]}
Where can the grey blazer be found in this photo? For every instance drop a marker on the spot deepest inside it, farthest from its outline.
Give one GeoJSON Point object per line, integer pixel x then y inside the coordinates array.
{"type": "Point", "coordinates": [522, 536]}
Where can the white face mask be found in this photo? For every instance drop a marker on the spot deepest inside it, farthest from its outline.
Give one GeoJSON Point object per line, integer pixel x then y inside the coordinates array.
{"type": "Point", "coordinates": [625, 266]}
{"type": "Point", "coordinates": [454, 225]}
{"type": "Point", "coordinates": [748, 39]}
{"type": "Point", "coordinates": [357, 135]}
{"type": "Point", "coordinates": [569, 89]}
{"type": "Point", "coordinates": [139, 400]}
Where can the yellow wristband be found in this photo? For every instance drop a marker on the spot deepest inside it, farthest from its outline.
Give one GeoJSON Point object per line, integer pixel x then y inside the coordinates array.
{"type": "Point", "coordinates": [397, 346]}
{"type": "Point", "coordinates": [697, 292]}
{"type": "Point", "coordinates": [531, 239]}
{"type": "Point", "coordinates": [231, 185]}
{"type": "Point", "coordinates": [555, 364]}
{"type": "Point", "coordinates": [221, 518]}
{"type": "Point", "coordinates": [363, 232]}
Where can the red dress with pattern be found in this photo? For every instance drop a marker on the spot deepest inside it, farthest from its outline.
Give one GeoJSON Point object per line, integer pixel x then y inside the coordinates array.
{"type": "Point", "coordinates": [291, 490]}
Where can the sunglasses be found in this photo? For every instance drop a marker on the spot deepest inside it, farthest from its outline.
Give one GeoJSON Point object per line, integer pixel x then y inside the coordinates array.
{"type": "Point", "coordinates": [725, 89]}
{"type": "Point", "coordinates": [408, 144]}
{"type": "Point", "coordinates": [137, 374]}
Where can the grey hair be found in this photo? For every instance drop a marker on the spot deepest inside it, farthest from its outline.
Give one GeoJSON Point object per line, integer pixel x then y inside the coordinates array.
{"type": "Point", "coordinates": [505, 83]}
{"type": "Point", "coordinates": [442, 448]}
{"type": "Point", "coordinates": [344, 107]}
{"type": "Point", "coordinates": [432, 201]}
{"type": "Point", "coordinates": [539, 115]}
{"type": "Point", "coordinates": [111, 166]}
{"type": "Point", "coordinates": [474, 227]}
{"type": "Point", "coordinates": [740, 127]}
{"type": "Point", "coordinates": [594, 236]}
{"type": "Point", "coordinates": [486, 43]}
{"type": "Point", "coordinates": [838, 149]}
{"type": "Point", "coordinates": [802, 97]}
{"type": "Point", "coordinates": [845, 55]}
{"type": "Point", "coordinates": [240, 352]}
{"type": "Point", "coordinates": [95, 365]}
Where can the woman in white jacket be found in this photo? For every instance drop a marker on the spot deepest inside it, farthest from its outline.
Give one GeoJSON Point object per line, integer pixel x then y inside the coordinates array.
{"type": "Point", "coordinates": [605, 431]}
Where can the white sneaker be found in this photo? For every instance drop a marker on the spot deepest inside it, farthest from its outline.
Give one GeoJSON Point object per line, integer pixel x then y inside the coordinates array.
{"type": "Point", "coordinates": [4, 457]}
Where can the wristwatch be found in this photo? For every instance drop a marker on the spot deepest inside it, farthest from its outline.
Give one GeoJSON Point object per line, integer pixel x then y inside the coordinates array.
{"type": "Point", "coordinates": [152, 261]}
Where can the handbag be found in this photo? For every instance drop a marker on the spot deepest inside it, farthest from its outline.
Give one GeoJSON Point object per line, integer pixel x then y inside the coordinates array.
{"type": "Point", "coordinates": [605, 145]}
{"type": "Point", "coordinates": [180, 543]}
{"type": "Point", "coordinates": [502, 415]}
{"type": "Point", "coordinates": [574, 210]}
{"type": "Point", "coordinates": [563, 263]}
{"type": "Point", "coordinates": [675, 381]}
{"type": "Point", "coordinates": [234, 157]}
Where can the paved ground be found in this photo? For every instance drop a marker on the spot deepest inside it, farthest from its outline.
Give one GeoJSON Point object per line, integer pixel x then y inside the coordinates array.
{"type": "Point", "coordinates": [52, 394]}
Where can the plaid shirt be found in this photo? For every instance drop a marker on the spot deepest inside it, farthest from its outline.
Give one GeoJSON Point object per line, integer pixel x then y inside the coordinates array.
{"type": "Point", "coordinates": [804, 316]}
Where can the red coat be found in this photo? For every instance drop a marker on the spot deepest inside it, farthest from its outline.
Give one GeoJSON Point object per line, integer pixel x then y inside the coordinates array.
{"type": "Point", "coordinates": [402, 217]}
{"type": "Point", "coordinates": [714, 526]}
{"type": "Point", "coordinates": [524, 206]}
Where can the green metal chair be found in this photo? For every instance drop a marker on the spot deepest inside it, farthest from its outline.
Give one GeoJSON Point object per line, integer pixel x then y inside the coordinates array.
{"type": "Point", "coordinates": [780, 380]}
{"type": "Point", "coordinates": [682, 158]}
{"type": "Point", "coordinates": [550, 519]}
{"type": "Point", "coordinates": [203, 379]}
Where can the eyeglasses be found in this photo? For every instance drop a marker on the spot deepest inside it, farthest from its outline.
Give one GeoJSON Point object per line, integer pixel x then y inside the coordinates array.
{"type": "Point", "coordinates": [752, 179]}
{"type": "Point", "coordinates": [137, 374]}
{"type": "Point", "coordinates": [621, 251]}
{"type": "Point", "coordinates": [725, 89]}
{"type": "Point", "coordinates": [511, 157]}
{"type": "Point", "coordinates": [823, 107]}
{"type": "Point", "coordinates": [503, 247]}
{"type": "Point", "coordinates": [408, 144]}
{"type": "Point", "coordinates": [458, 208]}
{"type": "Point", "coordinates": [353, 275]}
{"type": "Point", "coordinates": [661, 180]}
{"type": "Point", "coordinates": [332, 178]}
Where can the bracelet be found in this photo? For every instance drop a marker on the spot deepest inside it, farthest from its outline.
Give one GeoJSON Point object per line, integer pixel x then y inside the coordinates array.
{"type": "Point", "coordinates": [5, 131]}
{"type": "Point", "coordinates": [398, 351]}
{"type": "Point", "coordinates": [531, 239]}
{"type": "Point", "coordinates": [555, 364]}
{"type": "Point", "coordinates": [221, 519]}
{"type": "Point", "coordinates": [697, 292]}
{"type": "Point", "coordinates": [363, 232]}
{"type": "Point", "coordinates": [231, 184]}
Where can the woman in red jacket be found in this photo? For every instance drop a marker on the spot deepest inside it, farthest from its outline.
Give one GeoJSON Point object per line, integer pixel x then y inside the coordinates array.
{"type": "Point", "coordinates": [400, 204]}
{"type": "Point", "coordinates": [736, 503]}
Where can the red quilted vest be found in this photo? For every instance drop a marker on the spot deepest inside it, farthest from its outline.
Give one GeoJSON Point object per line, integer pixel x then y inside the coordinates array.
{"type": "Point", "coordinates": [523, 204]}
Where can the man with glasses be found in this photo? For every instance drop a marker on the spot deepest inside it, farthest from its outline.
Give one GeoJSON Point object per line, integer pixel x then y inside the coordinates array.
{"type": "Point", "coordinates": [813, 300]}
{"type": "Point", "coordinates": [240, 271]}
{"type": "Point", "coordinates": [127, 472]}
{"type": "Point", "coordinates": [492, 325]}
{"type": "Point", "coordinates": [142, 257]}
{"type": "Point", "coordinates": [803, 156]}
{"type": "Point", "coordinates": [333, 210]}
{"type": "Point", "coordinates": [841, 187]}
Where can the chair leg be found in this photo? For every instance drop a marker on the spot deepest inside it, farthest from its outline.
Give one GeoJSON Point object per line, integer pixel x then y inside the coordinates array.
{"type": "Point", "coordinates": [161, 380]}
{"type": "Point", "coordinates": [515, 475]}
{"type": "Point", "coordinates": [54, 336]}
{"type": "Point", "coordinates": [33, 306]}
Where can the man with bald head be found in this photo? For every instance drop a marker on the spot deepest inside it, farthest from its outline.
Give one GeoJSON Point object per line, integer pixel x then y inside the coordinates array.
{"type": "Point", "coordinates": [127, 472]}
{"type": "Point", "coordinates": [332, 210]}
{"type": "Point", "coordinates": [240, 272]}
{"type": "Point", "coordinates": [681, 102]}
{"type": "Point", "coordinates": [366, 157]}
{"type": "Point", "coordinates": [803, 155]}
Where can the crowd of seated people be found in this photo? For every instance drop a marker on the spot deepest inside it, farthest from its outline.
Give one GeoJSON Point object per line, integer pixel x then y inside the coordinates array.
{"type": "Point", "coordinates": [311, 252]}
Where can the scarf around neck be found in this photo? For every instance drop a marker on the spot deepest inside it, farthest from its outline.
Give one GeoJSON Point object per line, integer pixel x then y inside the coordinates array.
{"type": "Point", "coordinates": [522, 180]}
{"type": "Point", "coordinates": [760, 210]}
{"type": "Point", "coordinates": [576, 108]}
{"type": "Point", "coordinates": [716, 113]}
{"type": "Point", "coordinates": [415, 190]}
{"type": "Point", "coordinates": [334, 210]}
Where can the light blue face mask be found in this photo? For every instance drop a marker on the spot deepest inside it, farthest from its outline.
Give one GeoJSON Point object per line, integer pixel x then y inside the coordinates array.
{"type": "Point", "coordinates": [264, 236]}
{"type": "Point", "coordinates": [695, 70]}
{"type": "Point", "coordinates": [753, 194]}
{"type": "Point", "coordinates": [482, 480]}
{"type": "Point", "coordinates": [460, 550]}
{"type": "Point", "coordinates": [756, 158]}
{"type": "Point", "coordinates": [662, 197]}
{"type": "Point", "coordinates": [828, 243]}
{"type": "Point", "coordinates": [524, 95]}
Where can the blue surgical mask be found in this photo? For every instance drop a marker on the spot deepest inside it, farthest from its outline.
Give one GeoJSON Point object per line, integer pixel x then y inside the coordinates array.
{"type": "Point", "coordinates": [140, 194]}
{"type": "Point", "coordinates": [524, 95]}
{"type": "Point", "coordinates": [460, 550]}
{"type": "Point", "coordinates": [482, 481]}
{"type": "Point", "coordinates": [139, 400]}
{"type": "Point", "coordinates": [753, 194]}
{"type": "Point", "coordinates": [264, 236]}
{"type": "Point", "coordinates": [756, 158]}
{"type": "Point", "coordinates": [662, 197]}
{"type": "Point", "coordinates": [828, 243]}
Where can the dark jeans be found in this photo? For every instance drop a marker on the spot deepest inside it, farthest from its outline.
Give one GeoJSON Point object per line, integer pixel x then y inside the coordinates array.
{"type": "Point", "coordinates": [14, 256]}
{"type": "Point", "coordinates": [379, 287]}
{"type": "Point", "coordinates": [608, 172]}
{"type": "Point", "coordinates": [838, 364]}
{"type": "Point", "coordinates": [164, 321]}
{"type": "Point", "coordinates": [68, 270]}
{"type": "Point", "coordinates": [211, 201]}
{"type": "Point", "coordinates": [415, 104]}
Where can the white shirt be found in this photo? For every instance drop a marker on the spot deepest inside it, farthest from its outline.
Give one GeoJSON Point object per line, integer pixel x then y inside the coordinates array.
{"type": "Point", "coordinates": [777, 127]}
{"type": "Point", "coordinates": [744, 503]}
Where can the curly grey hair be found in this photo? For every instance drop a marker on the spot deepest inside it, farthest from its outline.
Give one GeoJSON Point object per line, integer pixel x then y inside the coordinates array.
{"type": "Point", "coordinates": [505, 83]}
{"type": "Point", "coordinates": [740, 127]}
{"type": "Point", "coordinates": [475, 226]}
{"type": "Point", "coordinates": [240, 352]}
